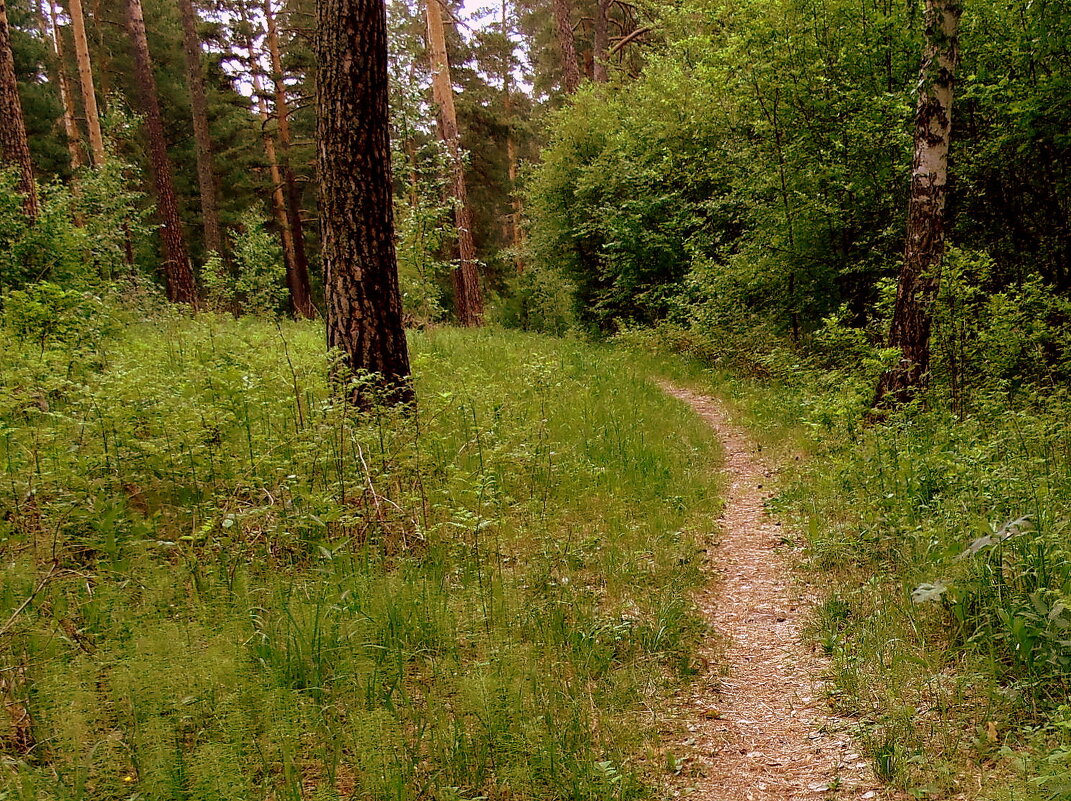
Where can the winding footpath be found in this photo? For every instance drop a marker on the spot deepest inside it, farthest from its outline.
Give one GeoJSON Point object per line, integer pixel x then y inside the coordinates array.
{"type": "Point", "coordinates": [759, 730]}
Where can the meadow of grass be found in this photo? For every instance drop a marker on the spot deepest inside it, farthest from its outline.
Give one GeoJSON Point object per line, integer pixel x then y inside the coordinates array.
{"type": "Point", "coordinates": [219, 583]}
{"type": "Point", "coordinates": [944, 542]}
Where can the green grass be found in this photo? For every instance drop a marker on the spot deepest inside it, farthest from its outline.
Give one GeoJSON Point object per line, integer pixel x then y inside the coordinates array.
{"type": "Point", "coordinates": [217, 583]}
{"type": "Point", "coordinates": [966, 695]}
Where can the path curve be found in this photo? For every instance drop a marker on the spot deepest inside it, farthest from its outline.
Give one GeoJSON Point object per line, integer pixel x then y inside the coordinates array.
{"type": "Point", "coordinates": [761, 731]}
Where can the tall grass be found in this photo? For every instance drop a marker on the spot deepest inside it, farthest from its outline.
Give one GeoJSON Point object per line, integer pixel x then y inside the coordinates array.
{"type": "Point", "coordinates": [219, 583]}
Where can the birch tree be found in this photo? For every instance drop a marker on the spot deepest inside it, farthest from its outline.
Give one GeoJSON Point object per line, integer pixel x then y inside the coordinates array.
{"type": "Point", "coordinates": [919, 276]}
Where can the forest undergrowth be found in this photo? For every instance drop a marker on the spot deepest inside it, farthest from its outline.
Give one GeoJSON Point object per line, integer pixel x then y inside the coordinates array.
{"type": "Point", "coordinates": [220, 583]}
{"type": "Point", "coordinates": [941, 538]}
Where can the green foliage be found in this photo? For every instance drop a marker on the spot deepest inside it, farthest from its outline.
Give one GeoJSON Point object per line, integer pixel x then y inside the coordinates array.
{"type": "Point", "coordinates": [756, 170]}
{"type": "Point", "coordinates": [47, 314]}
{"type": "Point", "coordinates": [256, 283]}
{"type": "Point", "coordinates": [1010, 340]}
{"type": "Point", "coordinates": [425, 228]}
{"type": "Point", "coordinates": [538, 300]}
{"type": "Point", "coordinates": [81, 236]}
{"type": "Point", "coordinates": [245, 590]}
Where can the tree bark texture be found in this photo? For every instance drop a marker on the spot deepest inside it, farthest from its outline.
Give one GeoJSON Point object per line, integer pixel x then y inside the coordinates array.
{"type": "Point", "coordinates": [300, 291]}
{"type": "Point", "coordinates": [601, 43]}
{"type": "Point", "coordinates": [70, 126]}
{"type": "Point", "coordinates": [178, 277]}
{"type": "Point", "coordinates": [364, 306]}
{"type": "Point", "coordinates": [919, 276]}
{"type": "Point", "coordinates": [278, 197]}
{"type": "Point", "coordinates": [468, 297]}
{"type": "Point", "coordinates": [206, 177]}
{"type": "Point", "coordinates": [85, 80]}
{"type": "Point", "coordinates": [13, 142]}
{"type": "Point", "coordinates": [511, 150]}
{"type": "Point", "coordinates": [563, 24]}
{"type": "Point", "coordinates": [516, 238]}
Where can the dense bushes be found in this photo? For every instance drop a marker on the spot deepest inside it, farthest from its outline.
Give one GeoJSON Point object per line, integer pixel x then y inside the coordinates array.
{"type": "Point", "coordinates": [757, 168]}
{"type": "Point", "coordinates": [84, 237]}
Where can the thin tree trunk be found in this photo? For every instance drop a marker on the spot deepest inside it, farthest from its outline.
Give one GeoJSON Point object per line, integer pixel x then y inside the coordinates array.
{"type": "Point", "coordinates": [364, 306]}
{"type": "Point", "coordinates": [85, 79]}
{"type": "Point", "coordinates": [919, 276]}
{"type": "Point", "coordinates": [517, 240]}
{"type": "Point", "coordinates": [300, 292]}
{"type": "Point", "coordinates": [468, 297]}
{"type": "Point", "coordinates": [782, 171]}
{"type": "Point", "coordinates": [70, 127]}
{"type": "Point", "coordinates": [602, 41]}
{"type": "Point", "coordinates": [206, 178]}
{"type": "Point", "coordinates": [13, 142]}
{"type": "Point", "coordinates": [511, 151]}
{"type": "Point", "coordinates": [278, 199]}
{"type": "Point", "coordinates": [178, 276]}
{"type": "Point", "coordinates": [563, 24]}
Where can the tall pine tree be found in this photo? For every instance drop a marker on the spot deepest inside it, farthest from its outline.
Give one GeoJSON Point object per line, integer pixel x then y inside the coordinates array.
{"type": "Point", "coordinates": [364, 306]}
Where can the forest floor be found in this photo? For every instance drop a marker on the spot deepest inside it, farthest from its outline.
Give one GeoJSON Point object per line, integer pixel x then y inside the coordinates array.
{"type": "Point", "coordinates": [760, 728]}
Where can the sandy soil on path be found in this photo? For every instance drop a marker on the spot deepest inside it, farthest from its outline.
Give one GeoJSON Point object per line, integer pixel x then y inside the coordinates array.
{"type": "Point", "coordinates": [761, 731]}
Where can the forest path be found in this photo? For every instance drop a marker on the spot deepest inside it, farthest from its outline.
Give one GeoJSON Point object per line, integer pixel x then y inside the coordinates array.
{"type": "Point", "coordinates": [762, 732]}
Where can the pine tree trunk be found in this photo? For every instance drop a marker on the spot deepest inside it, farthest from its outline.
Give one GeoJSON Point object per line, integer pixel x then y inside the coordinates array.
{"type": "Point", "coordinates": [70, 127]}
{"type": "Point", "coordinates": [13, 143]}
{"type": "Point", "coordinates": [178, 277]}
{"type": "Point", "coordinates": [300, 291]}
{"type": "Point", "coordinates": [602, 41]}
{"type": "Point", "coordinates": [364, 307]}
{"type": "Point", "coordinates": [516, 240]}
{"type": "Point", "coordinates": [278, 198]}
{"type": "Point", "coordinates": [206, 178]}
{"type": "Point", "coordinates": [85, 79]}
{"type": "Point", "coordinates": [919, 276]}
{"type": "Point", "coordinates": [511, 153]}
{"type": "Point", "coordinates": [563, 24]}
{"type": "Point", "coordinates": [468, 297]}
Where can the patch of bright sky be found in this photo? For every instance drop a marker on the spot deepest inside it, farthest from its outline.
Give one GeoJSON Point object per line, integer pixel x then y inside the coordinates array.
{"type": "Point", "coordinates": [479, 15]}
{"type": "Point", "coordinates": [476, 15]}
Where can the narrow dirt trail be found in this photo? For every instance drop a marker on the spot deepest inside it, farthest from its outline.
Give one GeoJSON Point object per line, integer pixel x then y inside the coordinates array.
{"type": "Point", "coordinates": [763, 731]}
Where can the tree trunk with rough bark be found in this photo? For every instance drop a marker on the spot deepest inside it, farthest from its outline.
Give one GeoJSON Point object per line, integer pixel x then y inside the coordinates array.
{"type": "Point", "coordinates": [206, 177]}
{"type": "Point", "coordinates": [511, 151]}
{"type": "Point", "coordinates": [178, 277]}
{"type": "Point", "coordinates": [70, 126]}
{"type": "Point", "coordinates": [278, 198]}
{"type": "Point", "coordinates": [13, 143]}
{"type": "Point", "coordinates": [919, 276]}
{"type": "Point", "coordinates": [300, 291]}
{"type": "Point", "coordinates": [85, 80]}
{"type": "Point", "coordinates": [516, 238]}
{"type": "Point", "coordinates": [602, 41]}
{"type": "Point", "coordinates": [563, 24]}
{"type": "Point", "coordinates": [364, 306]}
{"type": "Point", "coordinates": [468, 297]}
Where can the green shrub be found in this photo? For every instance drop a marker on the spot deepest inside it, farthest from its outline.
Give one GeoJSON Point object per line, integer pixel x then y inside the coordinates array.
{"type": "Point", "coordinates": [47, 314]}
{"type": "Point", "coordinates": [537, 300]}
{"type": "Point", "coordinates": [256, 282]}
